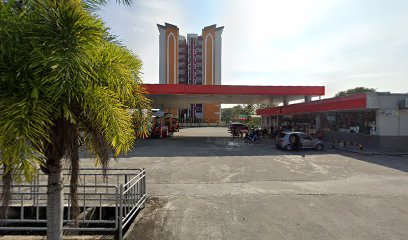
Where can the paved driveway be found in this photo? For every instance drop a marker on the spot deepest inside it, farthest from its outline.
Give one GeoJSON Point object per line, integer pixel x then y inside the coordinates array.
{"type": "Point", "coordinates": [205, 185]}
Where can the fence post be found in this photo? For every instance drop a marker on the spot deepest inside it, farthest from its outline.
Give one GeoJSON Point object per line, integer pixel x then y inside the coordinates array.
{"type": "Point", "coordinates": [126, 181]}
{"type": "Point", "coordinates": [120, 223]}
{"type": "Point", "coordinates": [144, 186]}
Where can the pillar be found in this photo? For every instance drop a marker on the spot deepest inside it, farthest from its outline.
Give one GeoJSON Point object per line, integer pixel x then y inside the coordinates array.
{"type": "Point", "coordinates": [318, 124]}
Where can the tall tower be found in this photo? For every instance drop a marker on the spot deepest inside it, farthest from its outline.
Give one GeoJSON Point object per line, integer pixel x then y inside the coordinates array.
{"type": "Point", "coordinates": [212, 55]}
{"type": "Point", "coordinates": [211, 36]}
{"type": "Point", "coordinates": [195, 49]}
{"type": "Point", "coordinates": [168, 56]}
{"type": "Point", "coordinates": [182, 60]}
{"type": "Point", "coordinates": [193, 61]}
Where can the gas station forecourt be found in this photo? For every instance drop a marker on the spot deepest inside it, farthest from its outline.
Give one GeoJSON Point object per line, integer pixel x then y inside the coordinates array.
{"type": "Point", "coordinates": [203, 184]}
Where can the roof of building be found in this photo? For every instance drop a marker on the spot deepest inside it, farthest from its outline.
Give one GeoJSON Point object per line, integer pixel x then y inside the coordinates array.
{"type": "Point", "coordinates": [352, 102]}
{"type": "Point", "coordinates": [219, 28]}
{"type": "Point", "coordinates": [210, 26]}
{"type": "Point", "coordinates": [166, 25]}
{"type": "Point", "coordinates": [171, 25]}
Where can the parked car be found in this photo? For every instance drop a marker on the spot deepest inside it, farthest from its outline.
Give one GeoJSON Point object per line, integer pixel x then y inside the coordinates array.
{"type": "Point", "coordinates": [299, 139]}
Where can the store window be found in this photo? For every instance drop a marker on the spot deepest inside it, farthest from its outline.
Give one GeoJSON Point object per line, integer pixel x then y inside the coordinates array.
{"type": "Point", "coordinates": [362, 122]}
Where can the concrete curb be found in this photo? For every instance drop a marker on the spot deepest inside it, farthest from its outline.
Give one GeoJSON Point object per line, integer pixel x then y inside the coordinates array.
{"type": "Point", "coordinates": [369, 153]}
{"type": "Point", "coordinates": [79, 237]}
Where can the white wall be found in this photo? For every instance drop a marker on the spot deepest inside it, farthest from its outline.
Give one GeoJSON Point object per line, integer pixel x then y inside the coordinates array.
{"type": "Point", "coordinates": [218, 51]}
{"type": "Point", "coordinates": [403, 122]}
{"type": "Point", "coordinates": [162, 56]}
{"type": "Point", "coordinates": [384, 101]}
{"type": "Point", "coordinates": [392, 122]}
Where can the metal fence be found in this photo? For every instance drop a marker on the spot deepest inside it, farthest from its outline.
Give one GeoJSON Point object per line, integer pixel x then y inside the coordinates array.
{"type": "Point", "coordinates": [221, 124]}
{"type": "Point", "coordinates": [108, 203]}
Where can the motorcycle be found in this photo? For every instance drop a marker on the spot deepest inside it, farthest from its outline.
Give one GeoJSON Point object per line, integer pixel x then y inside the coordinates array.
{"type": "Point", "coordinates": [235, 133]}
{"type": "Point", "coordinates": [252, 138]}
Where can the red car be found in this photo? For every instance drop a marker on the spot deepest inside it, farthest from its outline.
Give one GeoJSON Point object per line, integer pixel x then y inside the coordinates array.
{"type": "Point", "coordinates": [237, 129]}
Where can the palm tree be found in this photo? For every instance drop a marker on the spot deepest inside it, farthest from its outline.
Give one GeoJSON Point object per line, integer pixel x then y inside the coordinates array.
{"type": "Point", "coordinates": [61, 71]}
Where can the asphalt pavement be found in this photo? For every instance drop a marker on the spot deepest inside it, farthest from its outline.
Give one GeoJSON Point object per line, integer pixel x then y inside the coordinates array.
{"type": "Point", "coordinates": [203, 184]}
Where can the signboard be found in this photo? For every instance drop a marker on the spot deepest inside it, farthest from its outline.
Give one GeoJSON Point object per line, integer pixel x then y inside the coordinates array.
{"type": "Point", "coordinates": [243, 117]}
{"type": "Point", "coordinates": [158, 114]}
{"type": "Point", "coordinates": [389, 112]}
{"type": "Point", "coordinates": [331, 118]}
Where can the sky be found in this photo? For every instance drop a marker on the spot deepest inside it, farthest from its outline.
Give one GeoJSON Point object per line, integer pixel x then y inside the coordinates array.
{"type": "Point", "coordinates": [339, 44]}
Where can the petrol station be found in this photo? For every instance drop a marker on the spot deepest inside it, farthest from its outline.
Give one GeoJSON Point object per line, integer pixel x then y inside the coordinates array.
{"type": "Point", "coordinates": [171, 97]}
{"type": "Point", "coordinates": [166, 96]}
{"type": "Point", "coordinates": [377, 120]}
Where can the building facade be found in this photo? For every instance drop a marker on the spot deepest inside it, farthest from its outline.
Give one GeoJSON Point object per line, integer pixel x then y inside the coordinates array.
{"type": "Point", "coordinates": [195, 60]}
{"type": "Point", "coordinates": [376, 120]}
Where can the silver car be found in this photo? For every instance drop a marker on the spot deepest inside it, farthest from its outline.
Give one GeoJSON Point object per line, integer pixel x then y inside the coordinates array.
{"type": "Point", "coordinates": [303, 140]}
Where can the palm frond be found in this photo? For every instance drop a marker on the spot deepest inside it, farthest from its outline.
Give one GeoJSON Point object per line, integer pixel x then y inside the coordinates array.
{"type": "Point", "coordinates": [103, 109]}
{"type": "Point", "coordinates": [60, 69]}
{"type": "Point", "coordinates": [115, 68]}
{"type": "Point", "coordinates": [24, 129]}
{"type": "Point", "coordinates": [98, 145]}
{"type": "Point", "coordinates": [71, 142]}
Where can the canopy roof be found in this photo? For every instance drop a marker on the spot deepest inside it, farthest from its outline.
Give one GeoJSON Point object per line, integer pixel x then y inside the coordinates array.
{"type": "Point", "coordinates": [353, 102]}
{"type": "Point", "coordinates": [180, 95]}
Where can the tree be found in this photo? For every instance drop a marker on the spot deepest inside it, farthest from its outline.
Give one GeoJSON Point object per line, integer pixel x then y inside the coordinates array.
{"type": "Point", "coordinates": [354, 91]}
{"type": "Point", "coordinates": [226, 115]}
{"type": "Point", "coordinates": [232, 114]}
{"type": "Point", "coordinates": [61, 71]}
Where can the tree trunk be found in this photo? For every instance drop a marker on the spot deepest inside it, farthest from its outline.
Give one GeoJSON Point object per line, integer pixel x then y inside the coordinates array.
{"type": "Point", "coordinates": [55, 200]}
{"type": "Point", "coordinates": [7, 180]}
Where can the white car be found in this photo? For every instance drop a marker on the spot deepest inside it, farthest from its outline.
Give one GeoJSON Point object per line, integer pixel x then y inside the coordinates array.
{"type": "Point", "coordinates": [305, 141]}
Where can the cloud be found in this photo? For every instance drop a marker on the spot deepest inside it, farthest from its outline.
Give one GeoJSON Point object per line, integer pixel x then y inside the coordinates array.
{"type": "Point", "coordinates": [136, 26]}
{"type": "Point", "coordinates": [340, 44]}
{"type": "Point", "coordinates": [371, 75]}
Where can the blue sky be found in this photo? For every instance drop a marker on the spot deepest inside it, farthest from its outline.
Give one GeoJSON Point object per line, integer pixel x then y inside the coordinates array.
{"type": "Point", "coordinates": [339, 44]}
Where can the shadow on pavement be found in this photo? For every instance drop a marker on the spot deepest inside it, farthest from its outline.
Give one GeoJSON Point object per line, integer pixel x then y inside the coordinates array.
{"type": "Point", "coordinates": [228, 146]}
{"type": "Point", "coordinates": [395, 162]}
{"type": "Point", "coordinates": [208, 146]}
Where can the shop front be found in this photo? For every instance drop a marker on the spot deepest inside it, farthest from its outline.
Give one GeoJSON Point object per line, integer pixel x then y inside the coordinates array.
{"type": "Point", "coordinates": [375, 120]}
